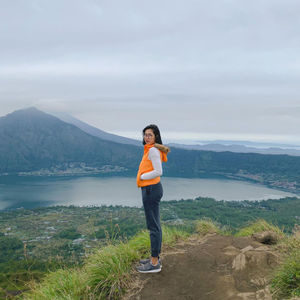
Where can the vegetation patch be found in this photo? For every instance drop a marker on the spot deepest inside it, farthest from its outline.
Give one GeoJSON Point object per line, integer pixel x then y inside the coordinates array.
{"type": "Point", "coordinates": [286, 280]}
{"type": "Point", "coordinates": [258, 226]}
{"type": "Point", "coordinates": [34, 242]}
{"type": "Point", "coordinates": [105, 274]}
{"type": "Point", "coordinates": [206, 225]}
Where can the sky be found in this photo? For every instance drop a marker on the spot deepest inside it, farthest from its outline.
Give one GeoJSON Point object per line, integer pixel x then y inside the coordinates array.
{"type": "Point", "coordinates": [200, 70]}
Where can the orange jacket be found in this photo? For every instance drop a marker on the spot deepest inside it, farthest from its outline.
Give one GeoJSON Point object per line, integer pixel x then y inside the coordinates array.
{"type": "Point", "coordinates": [146, 164]}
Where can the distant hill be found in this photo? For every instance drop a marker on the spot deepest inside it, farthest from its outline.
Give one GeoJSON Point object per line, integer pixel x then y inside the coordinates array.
{"type": "Point", "coordinates": [237, 148]}
{"type": "Point", "coordinates": [95, 131]}
{"type": "Point", "coordinates": [250, 143]}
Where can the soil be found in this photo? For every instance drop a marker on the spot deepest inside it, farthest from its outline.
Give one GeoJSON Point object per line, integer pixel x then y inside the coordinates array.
{"type": "Point", "coordinates": [210, 268]}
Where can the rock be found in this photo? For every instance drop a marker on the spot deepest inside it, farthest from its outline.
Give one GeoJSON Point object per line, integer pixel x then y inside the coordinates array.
{"type": "Point", "coordinates": [259, 281]}
{"type": "Point", "coordinates": [262, 248]}
{"type": "Point", "coordinates": [239, 262]}
{"type": "Point", "coordinates": [266, 237]}
{"type": "Point", "coordinates": [247, 296]}
{"type": "Point", "coordinates": [231, 250]}
{"type": "Point", "coordinates": [263, 294]}
{"type": "Point", "coordinates": [247, 249]}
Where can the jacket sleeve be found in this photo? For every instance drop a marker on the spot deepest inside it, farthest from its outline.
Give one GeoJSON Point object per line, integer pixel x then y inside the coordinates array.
{"type": "Point", "coordinates": [154, 156]}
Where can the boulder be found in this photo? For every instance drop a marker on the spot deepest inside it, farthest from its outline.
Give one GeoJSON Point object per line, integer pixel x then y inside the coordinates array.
{"type": "Point", "coordinates": [266, 237]}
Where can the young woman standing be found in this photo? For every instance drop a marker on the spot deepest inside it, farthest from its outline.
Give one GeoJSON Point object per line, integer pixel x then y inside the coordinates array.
{"type": "Point", "coordinates": [148, 178]}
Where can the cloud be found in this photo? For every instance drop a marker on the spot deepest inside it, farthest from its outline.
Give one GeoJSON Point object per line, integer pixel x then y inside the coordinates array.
{"type": "Point", "coordinates": [219, 66]}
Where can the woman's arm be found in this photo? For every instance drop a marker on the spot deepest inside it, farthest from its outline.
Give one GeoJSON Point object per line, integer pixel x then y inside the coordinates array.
{"type": "Point", "coordinates": [154, 156]}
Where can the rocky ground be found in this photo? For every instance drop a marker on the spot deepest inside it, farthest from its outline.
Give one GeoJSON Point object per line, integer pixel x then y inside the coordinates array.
{"type": "Point", "coordinates": [210, 268]}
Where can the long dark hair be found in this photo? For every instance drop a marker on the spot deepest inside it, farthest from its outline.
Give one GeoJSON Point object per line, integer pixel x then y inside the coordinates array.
{"type": "Point", "coordinates": [156, 133]}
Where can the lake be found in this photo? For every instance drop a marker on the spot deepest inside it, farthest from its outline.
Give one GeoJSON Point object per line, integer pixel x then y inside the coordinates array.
{"type": "Point", "coordinates": [31, 192]}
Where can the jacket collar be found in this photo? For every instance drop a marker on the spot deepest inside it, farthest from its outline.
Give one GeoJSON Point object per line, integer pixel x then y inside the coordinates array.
{"type": "Point", "coordinates": [163, 151]}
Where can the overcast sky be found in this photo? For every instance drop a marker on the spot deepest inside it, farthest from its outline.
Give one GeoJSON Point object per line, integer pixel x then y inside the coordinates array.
{"type": "Point", "coordinates": [218, 69]}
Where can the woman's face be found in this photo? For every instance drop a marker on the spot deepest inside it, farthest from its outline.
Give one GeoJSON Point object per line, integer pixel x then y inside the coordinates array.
{"type": "Point", "coordinates": [149, 137]}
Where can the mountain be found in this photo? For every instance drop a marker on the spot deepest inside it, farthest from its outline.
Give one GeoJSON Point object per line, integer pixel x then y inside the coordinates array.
{"type": "Point", "coordinates": [35, 143]}
{"type": "Point", "coordinates": [237, 148]}
{"type": "Point", "coordinates": [32, 140]}
{"type": "Point", "coordinates": [95, 131]}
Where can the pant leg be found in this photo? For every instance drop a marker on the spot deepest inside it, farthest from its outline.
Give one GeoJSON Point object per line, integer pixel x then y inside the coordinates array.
{"type": "Point", "coordinates": [152, 195]}
{"type": "Point", "coordinates": [158, 217]}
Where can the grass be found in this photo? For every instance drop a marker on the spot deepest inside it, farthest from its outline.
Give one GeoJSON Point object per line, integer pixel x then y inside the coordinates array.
{"type": "Point", "coordinates": [206, 225]}
{"type": "Point", "coordinates": [105, 274]}
{"type": "Point", "coordinates": [290, 243]}
{"type": "Point", "coordinates": [257, 226]}
{"type": "Point", "coordinates": [286, 281]}
{"type": "Point", "coordinates": [62, 284]}
{"type": "Point", "coordinates": [109, 270]}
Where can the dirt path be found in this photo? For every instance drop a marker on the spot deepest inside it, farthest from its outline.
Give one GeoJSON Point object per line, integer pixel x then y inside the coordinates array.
{"type": "Point", "coordinates": [212, 268]}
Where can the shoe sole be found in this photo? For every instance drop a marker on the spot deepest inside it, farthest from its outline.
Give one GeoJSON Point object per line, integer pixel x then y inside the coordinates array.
{"type": "Point", "coordinates": [152, 271]}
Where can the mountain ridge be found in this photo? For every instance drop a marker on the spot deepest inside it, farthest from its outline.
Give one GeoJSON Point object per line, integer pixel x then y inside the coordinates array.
{"type": "Point", "coordinates": [216, 146]}
{"type": "Point", "coordinates": [237, 149]}
{"type": "Point", "coordinates": [36, 143]}
{"type": "Point", "coordinates": [96, 131]}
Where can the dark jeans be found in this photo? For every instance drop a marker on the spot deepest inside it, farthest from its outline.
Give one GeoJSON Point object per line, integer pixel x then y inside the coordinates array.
{"type": "Point", "coordinates": [151, 195]}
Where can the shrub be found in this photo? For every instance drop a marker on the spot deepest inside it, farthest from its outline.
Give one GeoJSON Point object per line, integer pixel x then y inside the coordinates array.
{"type": "Point", "coordinates": [10, 243]}
{"type": "Point", "coordinates": [206, 225]}
{"type": "Point", "coordinates": [70, 234]}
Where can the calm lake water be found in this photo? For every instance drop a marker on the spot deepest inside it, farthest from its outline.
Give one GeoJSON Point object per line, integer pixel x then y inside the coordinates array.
{"type": "Point", "coordinates": [30, 192]}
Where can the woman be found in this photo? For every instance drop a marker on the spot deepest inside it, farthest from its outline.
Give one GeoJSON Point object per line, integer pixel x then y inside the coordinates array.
{"type": "Point", "coordinates": [148, 178]}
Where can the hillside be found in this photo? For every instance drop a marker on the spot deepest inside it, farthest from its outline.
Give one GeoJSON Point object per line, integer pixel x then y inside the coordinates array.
{"type": "Point", "coordinates": [257, 262]}
{"type": "Point", "coordinates": [215, 267]}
